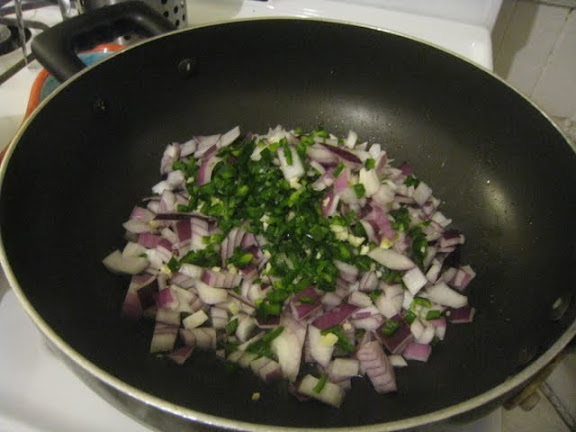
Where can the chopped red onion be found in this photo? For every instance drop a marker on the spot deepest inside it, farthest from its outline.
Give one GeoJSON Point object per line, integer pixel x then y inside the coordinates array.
{"type": "Point", "coordinates": [201, 303]}
{"type": "Point", "coordinates": [288, 346]}
{"type": "Point", "coordinates": [133, 250]}
{"type": "Point", "coordinates": [348, 272]}
{"type": "Point", "coordinates": [293, 170]}
{"type": "Point", "coordinates": [440, 219]}
{"type": "Point", "coordinates": [335, 316]}
{"type": "Point", "coordinates": [370, 323]}
{"type": "Point", "coordinates": [191, 270]}
{"type": "Point", "coordinates": [195, 320]}
{"type": "Point", "coordinates": [461, 315]}
{"type": "Point", "coordinates": [414, 280]}
{"type": "Point", "coordinates": [343, 154]}
{"type": "Point", "coordinates": [168, 316]}
{"type": "Point", "coordinates": [351, 140]}
{"type": "Point", "coordinates": [439, 325]}
{"type": "Point", "coordinates": [167, 298]}
{"type": "Point", "coordinates": [135, 226]}
{"type": "Point", "coordinates": [302, 310]}
{"type": "Point", "coordinates": [211, 295]}
{"type": "Point", "coordinates": [189, 147]}
{"type": "Point", "coordinates": [417, 351]}
{"type": "Point", "coordinates": [377, 367]}
{"type": "Point", "coordinates": [434, 271]}
{"type": "Point", "coordinates": [462, 277]}
{"type": "Point", "coordinates": [391, 259]}
{"type": "Point", "coordinates": [445, 296]}
{"type": "Point", "coordinates": [397, 360]}
{"type": "Point", "coordinates": [320, 350]}
{"type": "Point", "coordinates": [397, 342]}
{"type": "Point", "coordinates": [422, 193]}
{"type": "Point", "coordinates": [180, 355]}
{"type": "Point", "coordinates": [206, 145]}
{"type": "Point", "coordinates": [330, 393]}
{"type": "Point", "coordinates": [171, 155]}
{"type": "Point", "coordinates": [118, 263]}
{"type": "Point", "coordinates": [246, 328]}
{"type": "Point", "coordinates": [330, 203]}
{"type": "Point", "coordinates": [131, 307]}
{"type": "Point", "coordinates": [344, 367]}
{"type": "Point", "coordinates": [221, 279]}
{"type": "Point", "coordinates": [365, 312]}
{"type": "Point", "coordinates": [368, 281]}
{"type": "Point", "coordinates": [163, 338]}
{"type": "Point", "coordinates": [322, 155]}
{"type": "Point", "coordinates": [390, 303]}
{"type": "Point", "coordinates": [381, 222]}
{"type": "Point", "coordinates": [141, 214]}
{"type": "Point", "coordinates": [330, 300]}
{"type": "Point", "coordinates": [229, 137]}
{"type": "Point", "coordinates": [359, 299]}
{"type": "Point", "coordinates": [427, 334]}
{"type": "Point", "coordinates": [406, 168]}
{"type": "Point", "coordinates": [206, 168]}
{"type": "Point", "coordinates": [270, 372]}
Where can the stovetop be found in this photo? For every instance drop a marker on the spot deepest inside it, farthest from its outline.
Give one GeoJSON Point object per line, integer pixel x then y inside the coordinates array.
{"type": "Point", "coordinates": [38, 393]}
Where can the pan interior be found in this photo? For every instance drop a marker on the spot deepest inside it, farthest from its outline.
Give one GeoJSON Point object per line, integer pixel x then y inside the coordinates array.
{"type": "Point", "coordinates": [506, 175]}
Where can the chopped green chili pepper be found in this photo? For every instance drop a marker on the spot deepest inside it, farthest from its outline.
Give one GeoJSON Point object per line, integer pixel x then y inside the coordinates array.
{"type": "Point", "coordinates": [231, 326]}
{"type": "Point", "coordinates": [401, 218]}
{"type": "Point", "coordinates": [433, 314]}
{"type": "Point", "coordinates": [287, 151]}
{"type": "Point", "coordinates": [173, 264]}
{"type": "Point", "coordinates": [375, 294]}
{"type": "Point", "coordinates": [262, 347]}
{"type": "Point", "coordinates": [343, 342]}
{"type": "Point", "coordinates": [409, 316]}
{"type": "Point", "coordinates": [419, 245]}
{"type": "Point", "coordinates": [389, 327]}
{"type": "Point", "coordinates": [299, 239]}
{"type": "Point", "coordinates": [240, 258]}
{"type": "Point", "coordinates": [391, 276]}
{"type": "Point", "coordinates": [306, 300]}
{"type": "Point", "coordinates": [411, 181]}
{"type": "Point", "coordinates": [370, 163]}
{"type": "Point", "coordinates": [359, 190]}
{"type": "Point", "coordinates": [321, 384]}
{"type": "Point", "coordinates": [421, 301]}
{"type": "Point", "coordinates": [338, 170]}
{"type": "Point", "coordinates": [204, 257]}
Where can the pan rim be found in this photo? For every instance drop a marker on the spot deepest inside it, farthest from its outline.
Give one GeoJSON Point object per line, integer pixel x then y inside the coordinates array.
{"type": "Point", "coordinates": [196, 416]}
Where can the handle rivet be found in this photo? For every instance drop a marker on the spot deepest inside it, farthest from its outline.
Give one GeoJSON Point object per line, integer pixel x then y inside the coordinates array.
{"type": "Point", "coordinates": [187, 67]}
{"type": "Point", "coordinates": [99, 106]}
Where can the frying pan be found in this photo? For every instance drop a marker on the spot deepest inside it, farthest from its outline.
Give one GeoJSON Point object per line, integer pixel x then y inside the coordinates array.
{"type": "Point", "coordinates": [79, 164]}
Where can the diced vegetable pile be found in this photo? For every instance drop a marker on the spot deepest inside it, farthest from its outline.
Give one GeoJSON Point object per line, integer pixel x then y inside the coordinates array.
{"type": "Point", "coordinates": [289, 248]}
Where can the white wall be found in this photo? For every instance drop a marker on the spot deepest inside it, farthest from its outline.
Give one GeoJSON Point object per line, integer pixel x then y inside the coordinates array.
{"type": "Point", "coordinates": [535, 51]}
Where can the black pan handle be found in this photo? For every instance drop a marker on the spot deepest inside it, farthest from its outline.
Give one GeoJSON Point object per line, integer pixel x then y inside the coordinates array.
{"type": "Point", "coordinates": [56, 47]}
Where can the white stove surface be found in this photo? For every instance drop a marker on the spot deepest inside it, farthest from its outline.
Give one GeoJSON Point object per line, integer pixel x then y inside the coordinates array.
{"type": "Point", "coordinates": [38, 393]}
{"type": "Point", "coordinates": [471, 41]}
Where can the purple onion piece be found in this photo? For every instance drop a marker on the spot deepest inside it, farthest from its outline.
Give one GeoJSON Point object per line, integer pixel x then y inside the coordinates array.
{"type": "Point", "coordinates": [396, 342]}
{"type": "Point", "coordinates": [417, 351]}
{"type": "Point", "coordinates": [343, 154]}
{"type": "Point", "coordinates": [461, 315]}
{"type": "Point", "coordinates": [377, 367]}
{"type": "Point", "coordinates": [335, 316]}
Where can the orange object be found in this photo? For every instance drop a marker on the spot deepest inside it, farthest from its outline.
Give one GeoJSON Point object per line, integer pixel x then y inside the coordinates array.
{"type": "Point", "coordinates": [36, 91]}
